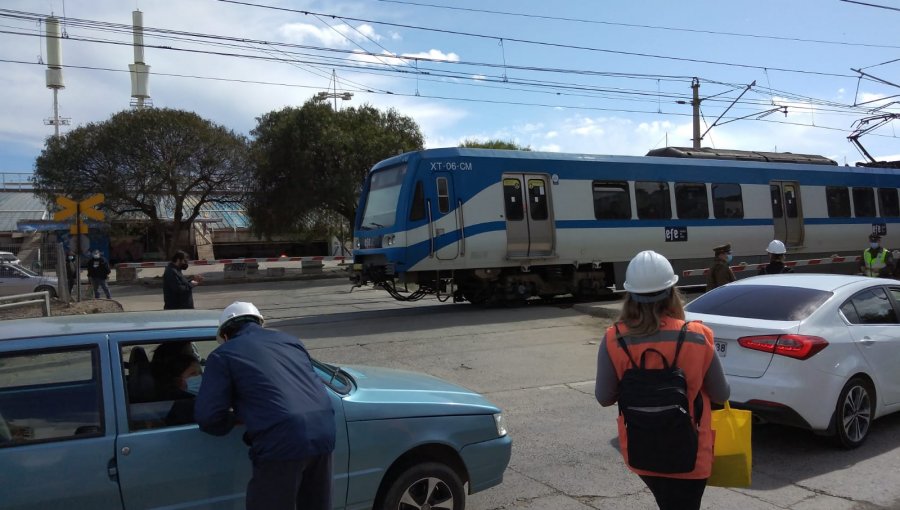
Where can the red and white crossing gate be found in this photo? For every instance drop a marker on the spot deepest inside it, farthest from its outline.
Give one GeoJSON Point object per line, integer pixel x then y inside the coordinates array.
{"type": "Point", "coordinates": [791, 263]}
{"type": "Point", "coordinates": [204, 262]}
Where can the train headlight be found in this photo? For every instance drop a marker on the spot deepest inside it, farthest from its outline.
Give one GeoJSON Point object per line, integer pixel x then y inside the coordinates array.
{"type": "Point", "coordinates": [388, 240]}
{"type": "Point", "coordinates": [356, 242]}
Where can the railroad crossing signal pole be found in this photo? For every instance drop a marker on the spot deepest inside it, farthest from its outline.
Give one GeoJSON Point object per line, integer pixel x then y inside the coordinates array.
{"type": "Point", "coordinates": [74, 209]}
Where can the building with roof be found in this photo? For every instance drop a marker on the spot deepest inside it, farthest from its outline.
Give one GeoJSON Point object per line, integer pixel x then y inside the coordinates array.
{"type": "Point", "coordinates": [27, 228]}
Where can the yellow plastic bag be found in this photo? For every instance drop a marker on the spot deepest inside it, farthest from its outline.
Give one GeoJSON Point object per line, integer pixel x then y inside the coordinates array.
{"type": "Point", "coordinates": [733, 460]}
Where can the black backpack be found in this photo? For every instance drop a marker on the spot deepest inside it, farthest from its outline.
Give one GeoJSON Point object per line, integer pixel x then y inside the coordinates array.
{"type": "Point", "coordinates": [662, 435]}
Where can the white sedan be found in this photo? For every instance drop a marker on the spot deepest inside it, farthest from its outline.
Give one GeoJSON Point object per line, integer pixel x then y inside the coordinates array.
{"type": "Point", "coordinates": [816, 351]}
{"type": "Point", "coordinates": [15, 279]}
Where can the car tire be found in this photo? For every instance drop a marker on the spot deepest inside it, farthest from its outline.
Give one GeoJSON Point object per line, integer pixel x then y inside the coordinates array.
{"type": "Point", "coordinates": [424, 486]}
{"type": "Point", "coordinates": [50, 290]}
{"type": "Point", "coordinates": [854, 413]}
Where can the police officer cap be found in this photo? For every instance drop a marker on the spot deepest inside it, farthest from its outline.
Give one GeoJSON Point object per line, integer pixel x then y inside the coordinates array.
{"type": "Point", "coordinates": [874, 237]}
{"type": "Point", "coordinates": [725, 248]}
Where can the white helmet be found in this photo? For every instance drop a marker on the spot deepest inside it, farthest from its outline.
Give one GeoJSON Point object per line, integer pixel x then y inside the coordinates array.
{"type": "Point", "coordinates": [235, 310]}
{"type": "Point", "coordinates": [649, 272]}
{"type": "Point", "coordinates": [776, 247]}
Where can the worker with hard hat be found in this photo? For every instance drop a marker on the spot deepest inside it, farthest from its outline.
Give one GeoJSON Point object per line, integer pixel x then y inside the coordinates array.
{"type": "Point", "coordinates": [720, 273]}
{"type": "Point", "coordinates": [876, 260]}
{"type": "Point", "coordinates": [265, 379]}
{"type": "Point", "coordinates": [776, 251]}
{"type": "Point", "coordinates": [648, 329]}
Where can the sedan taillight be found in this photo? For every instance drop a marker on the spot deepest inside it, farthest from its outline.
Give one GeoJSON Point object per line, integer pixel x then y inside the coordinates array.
{"type": "Point", "coordinates": [792, 346]}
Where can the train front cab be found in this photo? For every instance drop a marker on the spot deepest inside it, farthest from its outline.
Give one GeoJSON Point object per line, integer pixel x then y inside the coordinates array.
{"type": "Point", "coordinates": [380, 227]}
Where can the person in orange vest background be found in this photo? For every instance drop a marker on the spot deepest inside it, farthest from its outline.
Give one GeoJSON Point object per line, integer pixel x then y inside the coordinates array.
{"type": "Point", "coordinates": [652, 319]}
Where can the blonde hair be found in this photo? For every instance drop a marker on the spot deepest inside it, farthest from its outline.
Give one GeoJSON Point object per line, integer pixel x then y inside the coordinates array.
{"type": "Point", "coordinates": [643, 319]}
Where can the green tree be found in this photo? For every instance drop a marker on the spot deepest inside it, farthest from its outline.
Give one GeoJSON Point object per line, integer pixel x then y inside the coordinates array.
{"type": "Point", "coordinates": [312, 160]}
{"type": "Point", "coordinates": [148, 161]}
{"type": "Point", "coordinates": [494, 144]}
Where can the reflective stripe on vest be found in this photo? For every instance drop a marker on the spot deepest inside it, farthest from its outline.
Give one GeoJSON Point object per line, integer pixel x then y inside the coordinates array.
{"type": "Point", "coordinates": [694, 359]}
{"type": "Point", "coordinates": [874, 265]}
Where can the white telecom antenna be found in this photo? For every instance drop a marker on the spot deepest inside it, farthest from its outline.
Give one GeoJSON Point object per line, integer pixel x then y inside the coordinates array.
{"type": "Point", "coordinates": [54, 72]}
{"type": "Point", "coordinates": [140, 72]}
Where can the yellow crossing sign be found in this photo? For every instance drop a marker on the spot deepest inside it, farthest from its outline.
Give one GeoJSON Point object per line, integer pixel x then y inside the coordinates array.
{"type": "Point", "coordinates": [85, 207]}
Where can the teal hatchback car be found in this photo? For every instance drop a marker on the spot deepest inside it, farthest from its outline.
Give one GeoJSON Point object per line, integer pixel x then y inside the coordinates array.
{"type": "Point", "coordinates": [82, 425]}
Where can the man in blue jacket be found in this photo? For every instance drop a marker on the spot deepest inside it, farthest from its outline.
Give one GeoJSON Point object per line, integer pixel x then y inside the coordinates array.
{"type": "Point", "coordinates": [265, 379]}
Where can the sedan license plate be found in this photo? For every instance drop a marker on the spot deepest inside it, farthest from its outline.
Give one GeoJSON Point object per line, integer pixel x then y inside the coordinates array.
{"type": "Point", "coordinates": [721, 348]}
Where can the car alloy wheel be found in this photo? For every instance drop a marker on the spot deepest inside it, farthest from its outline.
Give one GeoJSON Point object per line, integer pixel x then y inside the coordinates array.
{"type": "Point", "coordinates": [854, 413]}
{"type": "Point", "coordinates": [427, 486]}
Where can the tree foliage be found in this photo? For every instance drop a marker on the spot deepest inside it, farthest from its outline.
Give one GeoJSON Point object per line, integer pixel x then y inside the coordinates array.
{"type": "Point", "coordinates": [311, 161]}
{"type": "Point", "coordinates": [147, 161]}
{"type": "Point", "coordinates": [494, 144]}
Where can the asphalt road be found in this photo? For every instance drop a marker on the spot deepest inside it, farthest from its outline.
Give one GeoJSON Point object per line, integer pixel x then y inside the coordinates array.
{"type": "Point", "coordinates": [537, 363]}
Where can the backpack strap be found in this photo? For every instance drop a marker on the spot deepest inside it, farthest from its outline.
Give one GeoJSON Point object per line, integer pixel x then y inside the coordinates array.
{"type": "Point", "coordinates": [624, 346]}
{"type": "Point", "coordinates": [681, 336]}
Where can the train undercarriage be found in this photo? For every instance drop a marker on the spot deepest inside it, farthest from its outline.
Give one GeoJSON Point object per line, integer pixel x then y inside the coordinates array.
{"type": "Point", "coordinates": [491, 286]}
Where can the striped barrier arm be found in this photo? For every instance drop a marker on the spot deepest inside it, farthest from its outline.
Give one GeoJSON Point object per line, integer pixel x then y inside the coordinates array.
{"type": "Point", "coordinates": [792, 263]}
{"type": "Point", "coordinates": [204, 262]}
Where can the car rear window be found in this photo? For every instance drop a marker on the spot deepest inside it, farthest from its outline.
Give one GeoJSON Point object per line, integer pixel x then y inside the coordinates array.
{"type": "Point", "coordinates": [767, 302]}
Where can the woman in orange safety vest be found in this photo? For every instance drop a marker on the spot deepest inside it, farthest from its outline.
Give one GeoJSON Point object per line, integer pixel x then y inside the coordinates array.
{"type": "Point", "coordinates": [652, 317]}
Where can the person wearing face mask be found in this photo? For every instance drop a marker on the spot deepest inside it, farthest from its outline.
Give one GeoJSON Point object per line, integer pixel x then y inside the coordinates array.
{"type": "Point", "coordinates": [177, 374]}
{"type": "Point", "coordinates": [98, 271]}
{"type": "Point", "coordinates": [719, 273]}
{"type": "Point", "coordinates": [876, 261]}
{"type": "Point", "coordinates": [71, 273]}
{"type": "Point", "coordinates": [178, 291]}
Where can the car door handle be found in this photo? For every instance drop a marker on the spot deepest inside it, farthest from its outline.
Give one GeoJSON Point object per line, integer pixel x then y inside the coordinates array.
{"type": "Point", "coordinates": [867, 341]}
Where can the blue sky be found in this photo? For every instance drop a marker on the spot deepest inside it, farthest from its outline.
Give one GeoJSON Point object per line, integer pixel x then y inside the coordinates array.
{"type": "Point", "coordinates": [599, 77]}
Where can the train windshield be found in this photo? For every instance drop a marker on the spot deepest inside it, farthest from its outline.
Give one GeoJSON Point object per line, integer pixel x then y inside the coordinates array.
{"type": "Point", "coordinates": [384, 192]}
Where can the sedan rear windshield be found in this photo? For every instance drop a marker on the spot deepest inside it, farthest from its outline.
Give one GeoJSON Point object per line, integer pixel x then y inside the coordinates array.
{"type": "Point", "coordinates": [767, 302]}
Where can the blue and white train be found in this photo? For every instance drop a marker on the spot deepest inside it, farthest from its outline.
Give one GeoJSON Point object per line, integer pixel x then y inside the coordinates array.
{"type": "Point", "coordinates": [494, 225]}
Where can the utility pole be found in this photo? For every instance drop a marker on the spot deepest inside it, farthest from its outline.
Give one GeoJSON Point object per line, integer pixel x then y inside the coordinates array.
{"type": "Point", "coordinates": [695, 103]}
{"type": "Point", "coordinates": [346, 96]}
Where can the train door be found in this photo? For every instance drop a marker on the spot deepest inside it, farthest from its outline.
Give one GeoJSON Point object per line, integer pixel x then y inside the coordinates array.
{"type": "Point", "coordinates": [443, 212]}
{"type": "Point", "coordinates": [787, 213]}
{"type": "Point", "coordinates": [529, 218]}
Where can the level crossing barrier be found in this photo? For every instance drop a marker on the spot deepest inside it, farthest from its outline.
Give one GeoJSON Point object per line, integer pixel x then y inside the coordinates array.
{"type": "Point", "coordinates": [791, 263]}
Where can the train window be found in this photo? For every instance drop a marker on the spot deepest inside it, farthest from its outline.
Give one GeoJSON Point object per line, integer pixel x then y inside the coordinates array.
{"type": "Point", "coordinates": [611, 200]}
{"type": "Point", "coordinates": [652, 200]}
{"type": "Point", "coordinates": [838, 199]}
{"type": "Point", "coordinates": [864, 202]}
{"type": "Point", "coordinates": [777, 209]}
{"type": "Point", "coordinates": [690, 200]}
{"type": "Point", "coordinates": [443, 194]}
{"type": "Point", "coordinates": [790, 201]}
{"type": "Point", "coordinates": [727, 201]}
{"type": "Point", "coordinates": [417, 209]}
{"type": "Point", "coordinates": [537, 195]}
{"type": "Point", "coordinates": [512, 196]}
{"type": "Point", "coordinates": [887, 200]}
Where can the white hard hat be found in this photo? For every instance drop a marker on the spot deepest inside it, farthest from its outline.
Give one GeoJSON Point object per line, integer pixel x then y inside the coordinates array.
{"type": "Point", "coordinates": [235, 310]}
{"type": "Point", "coordinates": [649, 272]}
{"type": "Point", "coordinates": [776, 247]}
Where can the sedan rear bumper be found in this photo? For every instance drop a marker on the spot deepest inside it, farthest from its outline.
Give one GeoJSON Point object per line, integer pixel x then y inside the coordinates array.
{"type": "Point", "coordinates": [786, 395]}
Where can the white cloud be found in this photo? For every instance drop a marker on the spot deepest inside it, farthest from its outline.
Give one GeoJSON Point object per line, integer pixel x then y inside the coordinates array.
{"type": "Point", "coordinates": [549, 148]}
{"type": "Point", "coordinates": [479, 77]}
{"type": "Point", "coordinates": [551, 135]}
{"type": "Point", "coordinates": [434, 55]}
{"type": "Point", "coordinates": [338, 35]}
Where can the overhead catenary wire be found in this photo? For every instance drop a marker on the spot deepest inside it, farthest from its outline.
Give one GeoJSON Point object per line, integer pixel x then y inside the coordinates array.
{"type": "Point", "coordinates": [124, 28]}
{"type": "Point", "coordinates": [589, 91]}
{"type": "Point", "coordinates": [542, 43]}
{"type": "Point", "coordinates": [636, 25]}
{"type": "Point", "coordinates": [439, 97]}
